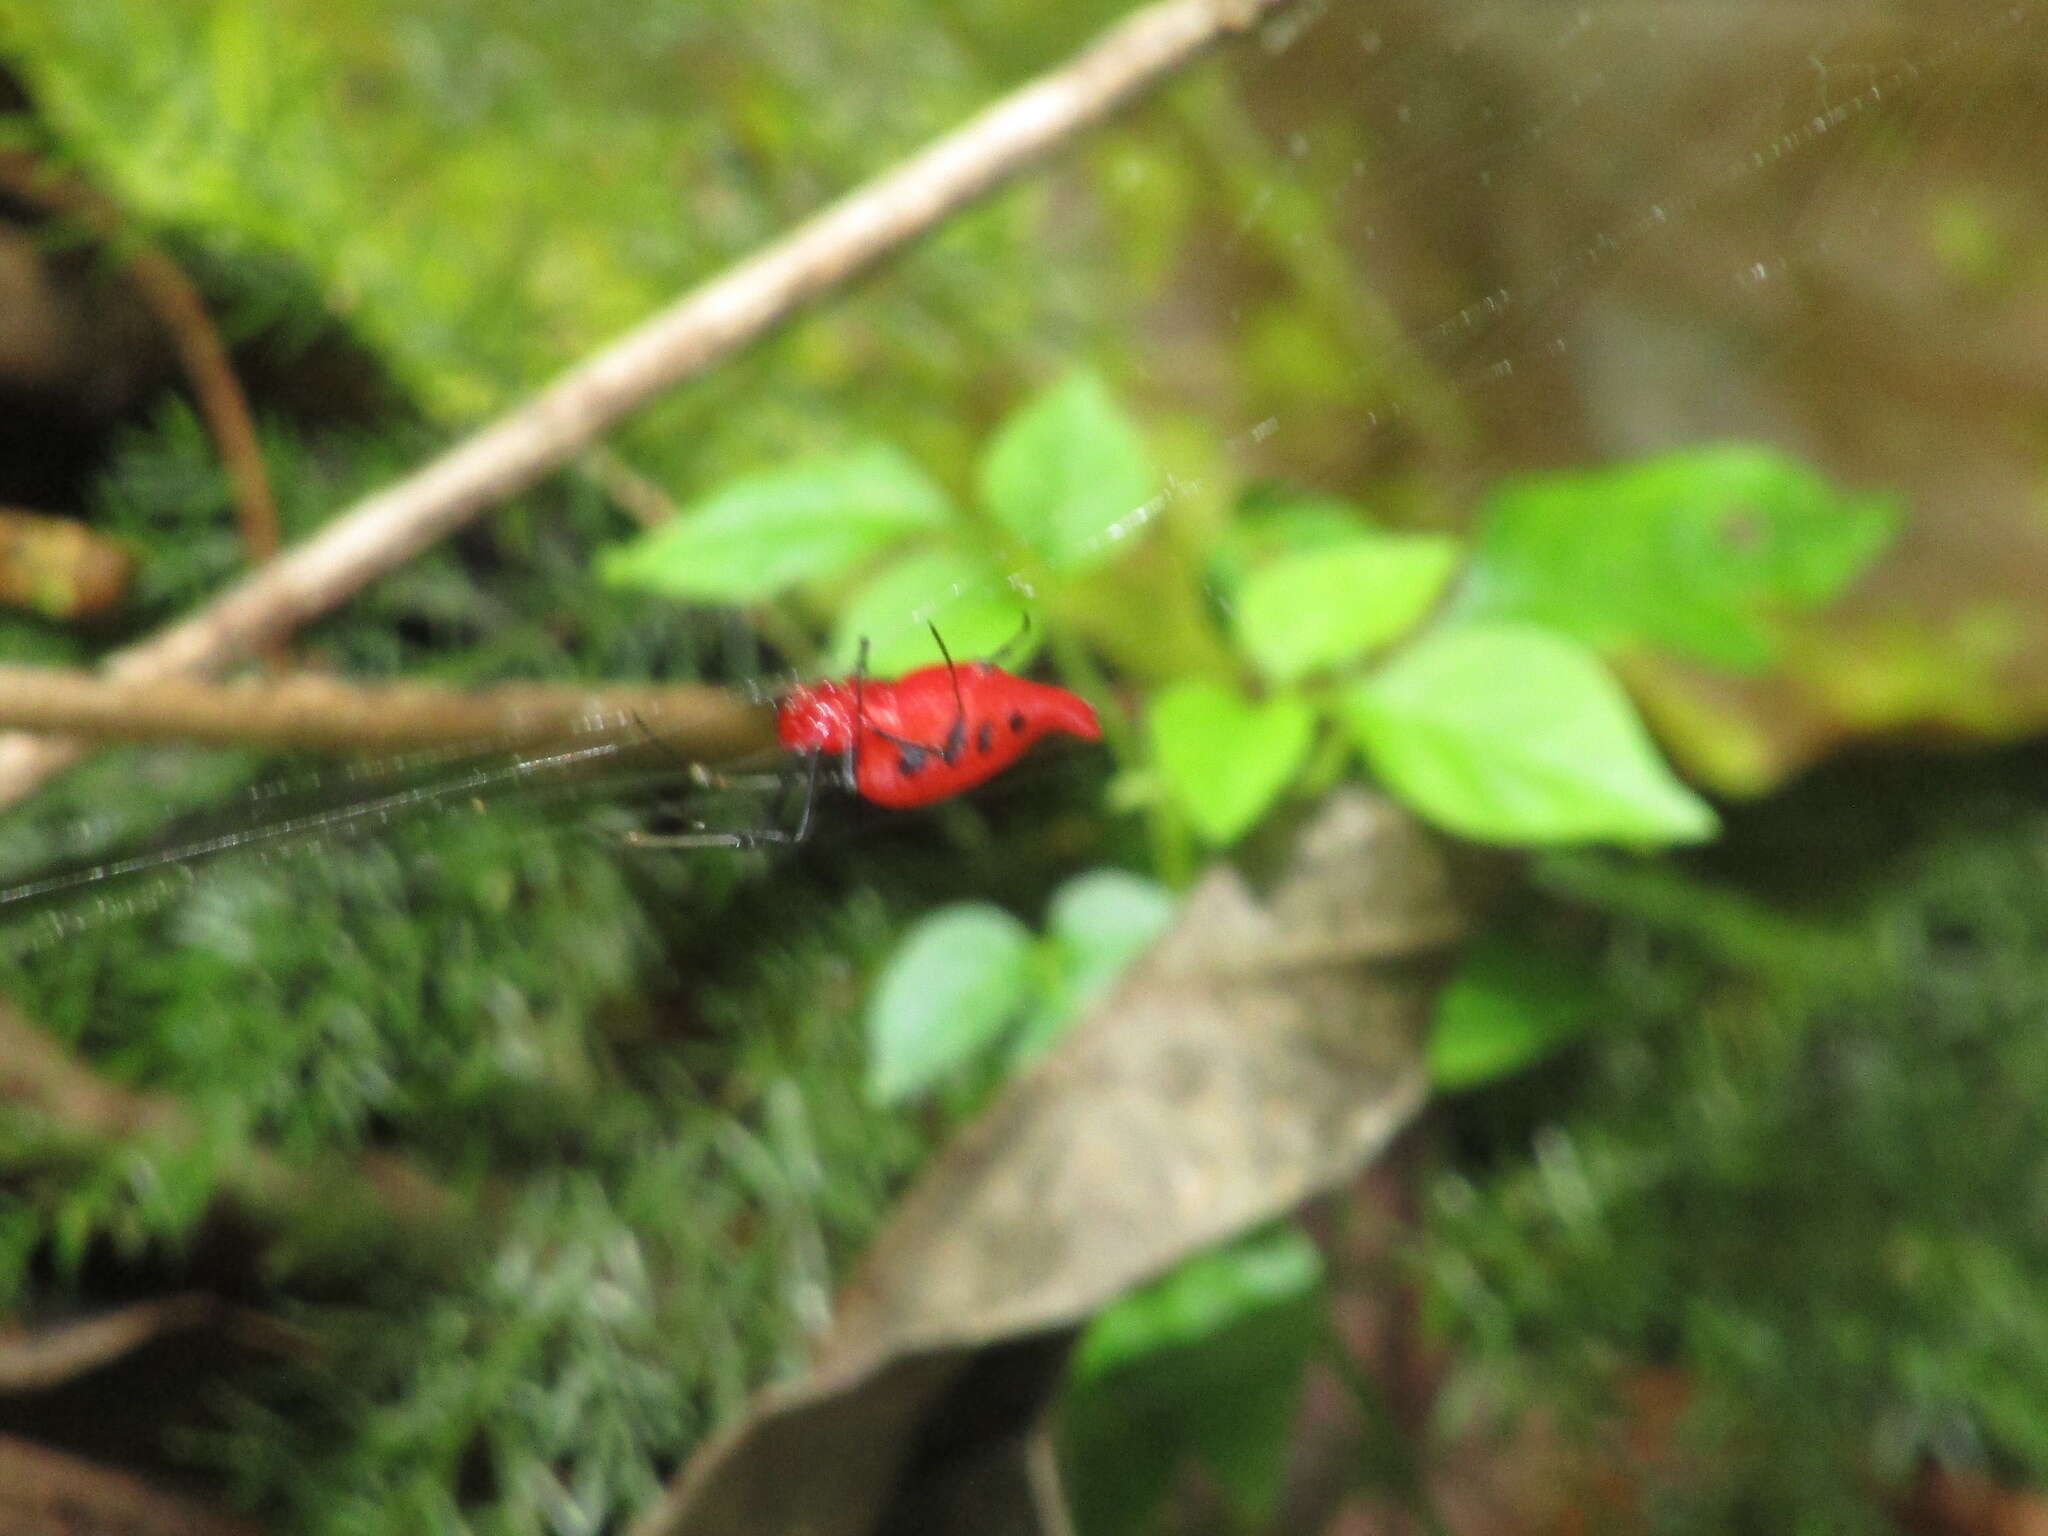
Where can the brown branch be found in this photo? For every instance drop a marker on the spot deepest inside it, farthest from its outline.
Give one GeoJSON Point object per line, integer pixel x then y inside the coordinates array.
{"type": "Point", "coordinates": [306, 711]}
{"type": "Point", "coordinates": [177, 304]}
{"type": "Point", "coordinates": [700, 329]}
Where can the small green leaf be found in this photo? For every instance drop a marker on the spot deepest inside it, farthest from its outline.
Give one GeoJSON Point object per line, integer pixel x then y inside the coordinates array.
{"type": "Point", "coordinates": [1225, 759]}
{"type": "Point", "coordinates": [1700, 552]}
{"type": "Point", "coordinates": [1515, 734]}
{"type": "Point", "coordinates": [960, 977]}
{"type": "Point", "coordinates": [1105, 919]}
{"type": "Point", "coordinates": [1098, 924]}
{"type": "Point", "coordinates": [1200, 1298]}
{"type": "Point", "coordinates": [1323, 607]}
{"type": "Point", "coordinates": [1064, 469]}
{"type": "Point", "coordinates": [1510, 1005]}
{"type": "Point", "coordinates": [760, 535]}
{"type": "Point", "coordinates": [1276, 521]}
{"type": "Point", "coordinates": [974, 610]}
{"type": "Point", "coordinates": [1206, 1363]}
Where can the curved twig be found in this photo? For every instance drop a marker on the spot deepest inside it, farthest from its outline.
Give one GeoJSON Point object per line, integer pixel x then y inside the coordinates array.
{"type": "Point", "coordinates": [39, 1075]}
{"type": "Point", "coordinates": [177, 304]}
{"type": "Point", "coordinates": [700, 329]}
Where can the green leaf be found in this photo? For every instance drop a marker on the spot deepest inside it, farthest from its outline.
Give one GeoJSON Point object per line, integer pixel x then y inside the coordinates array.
{"type": "Point", "coordinates": [1098, 924]}
{"type": "Point", "coordinates": [1701, 552]}
{"type": "Point", "coordinates": [1225, 759]}
{"type": "Point", "coordinates": [961, 975]}
{"type": "Point", "coordinates": [1064, 469]}
{"type": "Point", "coordinates": [1105, 919]}
{"type": "Point", "coordinates": [760, 535]}
{"type": "Point", "coordinates": [1509, 1005]}
{"type": "Point", "coordinates": [974, 610]}
{"type": "Point", "coordinates": [1327, 606]}
{"type": "Point", "coordinates": [1515, 734]}
{"type": "Point", "coordinates": [1206, 1362]}
{"type": "Point", "coordinates": [1274, 521]}
{"type": "Point", "coordinates": [1200, 1298]}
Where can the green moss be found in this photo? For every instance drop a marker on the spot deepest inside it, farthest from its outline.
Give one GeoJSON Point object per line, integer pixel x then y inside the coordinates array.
{"type": "Point", "coordinates": [638, 1076]}
{"type": "Point", "coordinates": [1809, 1175]}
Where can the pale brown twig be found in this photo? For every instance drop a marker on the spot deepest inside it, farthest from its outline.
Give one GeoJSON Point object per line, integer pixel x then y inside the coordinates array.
{"type": "Point", "coordinates": [700, 329]}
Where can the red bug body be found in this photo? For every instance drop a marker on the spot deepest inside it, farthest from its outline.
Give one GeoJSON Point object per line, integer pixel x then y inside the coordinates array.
{"type": "Point", "coordinates": [932, 733]}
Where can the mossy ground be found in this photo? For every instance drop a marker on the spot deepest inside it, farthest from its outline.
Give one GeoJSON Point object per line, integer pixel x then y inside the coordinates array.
{"type": "Point", "coordinates": [1800, 1161]}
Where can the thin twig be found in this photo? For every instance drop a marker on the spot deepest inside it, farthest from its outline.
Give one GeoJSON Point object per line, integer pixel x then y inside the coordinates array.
{"type": "Point", "coordinates": [644, 501]}
{"type": "Point", "coordinates": [43, 1356]}
{"type": "Point", "coordinates": [306, 711]}
{"type": "Point", "coordinates": [685, 340]}
{"type": "Point", "coordinates": [37, 1074]}
{"type": "Point", "coordinates": [49, 1493]}
{"type": "Point", "coordinates": [177, 304]}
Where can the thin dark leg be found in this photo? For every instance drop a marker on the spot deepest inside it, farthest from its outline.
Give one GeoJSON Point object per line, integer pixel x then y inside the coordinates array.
{"type": "Point", "coordinates": [663, 747]}
{"type": "Point", "coordinates": [752, 837]}
{"type": "Point", "coordinates": [803, 821]}
{"type": "Point", "coordinates": [902, 743]}
{"type": "Point", "coordinates": [756, 837]}
{"type": "Point", "coordinates": [956, 738]}
{"type": "Point", "coordinates": [849, 765]}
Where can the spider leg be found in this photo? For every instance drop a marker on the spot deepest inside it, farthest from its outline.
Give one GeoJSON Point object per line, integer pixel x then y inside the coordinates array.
{"type": "Point", "coordinates": [849, 766]}
{"type": "Point", "coordinates": [745, 837]}
{"type": "Point", "coordinates": [956, 738]}
{"type": "Point", "coordinates": [753, 837]}
{"type": "Point", "coordinates": [803, 820]}
{"type": "Point", "coordinates": [905, 742]}
{"type": "Point", "coordinates": [688, 765]}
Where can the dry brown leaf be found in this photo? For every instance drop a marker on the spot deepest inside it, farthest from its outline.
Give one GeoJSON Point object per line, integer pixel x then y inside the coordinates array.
{"type": "Point", "coordinates": [58, 567]}
{"type": "Point", "coordinates": [1264, 1050]}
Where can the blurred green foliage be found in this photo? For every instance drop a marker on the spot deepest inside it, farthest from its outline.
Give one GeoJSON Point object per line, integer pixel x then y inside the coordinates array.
{"type": "Point", "coordinates": [1702, 553]}
{"type": "Point", "coordinates": [1799, 1162]}
{"type": "Point", "coordinates": [1797, 1180]}
{"type": "Point", "coordinates": [968, 977]}
{"type": "Point", "coordinates": [1511, 1004]}
{"type": "Point", "coordinates": [479, 195]}
{"type": "Point", "coordinates": [1059, 480]}
{"type": "Point", "coordinates": [1204, 1363]}
{"type": "Point", "coordinates": [1224, 758]}
{"type": "Point", "coordinates": [1497, 719]}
